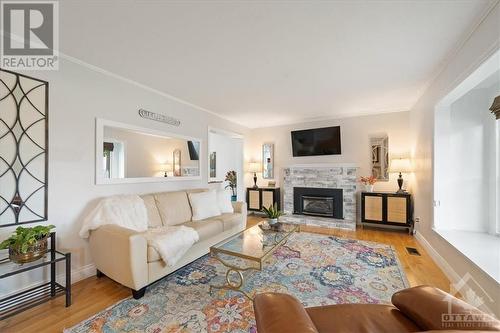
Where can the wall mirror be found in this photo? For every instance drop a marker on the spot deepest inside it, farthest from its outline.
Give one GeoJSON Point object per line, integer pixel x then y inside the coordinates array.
{"type": "Point", "coordinates": [23, 149]}
{"type": "Point", "coordinates": [128, 154]}
{"type": "Point", "coordinates": [379, 147]}
{"type": "Point", "coordinates": [268, 161]}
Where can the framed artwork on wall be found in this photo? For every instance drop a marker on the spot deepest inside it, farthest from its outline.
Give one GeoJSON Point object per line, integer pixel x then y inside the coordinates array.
{"type": "Point", "coordinates": [213, 164]}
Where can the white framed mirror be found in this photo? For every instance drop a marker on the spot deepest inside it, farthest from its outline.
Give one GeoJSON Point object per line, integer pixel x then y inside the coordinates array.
{"type": "Point", "coordinates": [379, 147]}
{"type": "Point", "coordinates": [131, 154]}
{"type": "Point", "coordinates": [268, 161]}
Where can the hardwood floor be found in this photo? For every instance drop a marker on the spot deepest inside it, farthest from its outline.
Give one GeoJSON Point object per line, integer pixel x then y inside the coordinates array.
{"type": "Point", "coordinates": [93, 295]}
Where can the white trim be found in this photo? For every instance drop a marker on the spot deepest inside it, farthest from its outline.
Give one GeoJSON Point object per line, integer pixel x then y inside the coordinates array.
{"type": "Point", "coordinates": [99, 132]}
{"type": "Point", "coordinates": [450, 273]}
{"type": "Point", "coordinates": [322, 165]}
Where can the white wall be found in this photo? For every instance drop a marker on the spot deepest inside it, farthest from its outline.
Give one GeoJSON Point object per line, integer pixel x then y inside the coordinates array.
{"type": "Point", "coordinates": [482, 43]}
{"type": "Point", "coordinates": [355, 136]}
{"type": "Point", "coordinates": [229, 156]}
{"type": "Point", "coordinates": [77, 95]}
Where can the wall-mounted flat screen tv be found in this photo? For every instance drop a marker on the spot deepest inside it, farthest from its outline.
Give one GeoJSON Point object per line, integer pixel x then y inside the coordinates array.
{"type": "Point", "coordinates": [317, 141]}
{"type": "Point", "coordinates": [194, 150]}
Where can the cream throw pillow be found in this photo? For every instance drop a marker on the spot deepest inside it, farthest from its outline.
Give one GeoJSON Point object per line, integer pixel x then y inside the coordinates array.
{"type": "Point", "coordinates": [204, 205]}
{"type": "Point", "coordinates": [224, 201]}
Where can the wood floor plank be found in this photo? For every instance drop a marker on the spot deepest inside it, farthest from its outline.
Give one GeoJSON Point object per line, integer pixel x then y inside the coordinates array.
{"type": "Point", "coordinates": [93, 295]}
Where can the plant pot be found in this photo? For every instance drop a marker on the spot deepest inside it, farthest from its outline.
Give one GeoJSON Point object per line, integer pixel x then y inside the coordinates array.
{"type": "Point", "coordinates": [35, 252]}
{"type": "Point", "coordinates": [233, 198]}
{"type": "Point", "coordinates": [272, 221]}
{"type": "Point", "coordinates": [369, 188]}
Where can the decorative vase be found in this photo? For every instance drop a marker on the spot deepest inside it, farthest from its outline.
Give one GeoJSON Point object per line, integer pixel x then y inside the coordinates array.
{"type": "Point", "coordinates": [233, 198]}
{"type": "Point", "coordinates": [368, 188]}
{"type": "Point", "coordinates": [34, 252]}
{"type": "Point", "coordinates": [272, 221]}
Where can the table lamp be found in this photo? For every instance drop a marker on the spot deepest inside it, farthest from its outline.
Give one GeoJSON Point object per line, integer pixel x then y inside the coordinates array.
{"type": "Point", "coordinates": [400, 165]}
{"type": "Point", "coordinates": [165, 168]}
{"type": "Point", "coordinates": [254, 167]}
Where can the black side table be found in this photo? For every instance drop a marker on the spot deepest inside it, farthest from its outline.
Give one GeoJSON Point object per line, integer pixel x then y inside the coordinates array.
{"type": "Point", "coordinates": [31, 297]}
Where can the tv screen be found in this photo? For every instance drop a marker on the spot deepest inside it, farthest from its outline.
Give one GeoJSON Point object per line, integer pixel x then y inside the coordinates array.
{"type": "Point", "coordinates": [194, 148]}
{"type": "Point", "coordinates": [317, 141]}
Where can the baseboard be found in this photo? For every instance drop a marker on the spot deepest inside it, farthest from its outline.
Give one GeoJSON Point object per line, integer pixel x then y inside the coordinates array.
{"type": "Point", "coordinates": [450, 273]}
{"type": "Point", "coordinates": [76, 275]}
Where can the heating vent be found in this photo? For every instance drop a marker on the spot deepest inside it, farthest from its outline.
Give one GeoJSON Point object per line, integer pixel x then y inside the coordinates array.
{"type": "Point", "coordinates": [413, 251]}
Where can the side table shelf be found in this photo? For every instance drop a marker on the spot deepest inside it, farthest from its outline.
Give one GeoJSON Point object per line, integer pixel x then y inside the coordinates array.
{"type": "Point", "coordinates": [41, 293]}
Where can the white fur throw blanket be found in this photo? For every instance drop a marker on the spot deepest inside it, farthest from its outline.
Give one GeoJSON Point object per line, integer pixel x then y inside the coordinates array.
{"type": "Point", "coordinates": [128, 211]}
{"type": "Point", "coordinates": [171, 242]}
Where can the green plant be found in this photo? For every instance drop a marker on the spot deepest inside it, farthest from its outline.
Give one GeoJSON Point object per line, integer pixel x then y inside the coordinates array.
{"type": "Point", "coordinates": [231, 178]}
{"type": "Point", "coordinates": [25, 237]}
{"type": "Point", "coordinates": [272, 211]}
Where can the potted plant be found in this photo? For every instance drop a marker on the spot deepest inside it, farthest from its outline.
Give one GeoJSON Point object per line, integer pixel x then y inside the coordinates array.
{"type": "Point", "coordinates": [27, 244]}
{"type": "Point", "coordinates": [273, 214]}
{"type": "Point", "coordinates": [231, 178]}
{"type": "Point", "coordinates": [369, 182]}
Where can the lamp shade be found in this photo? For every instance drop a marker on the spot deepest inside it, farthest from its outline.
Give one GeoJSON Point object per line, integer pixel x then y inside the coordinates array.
{"type": "Point", "coordinates": [400, 165]}
{"type": "Point", "coordinates": [166, 167]}
{"type": "Point", "coordinates": [254, 167]}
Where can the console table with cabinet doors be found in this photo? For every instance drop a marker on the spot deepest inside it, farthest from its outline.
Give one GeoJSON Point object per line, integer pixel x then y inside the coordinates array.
{"type": "Point", "coordinates": [386, 208]}
{"type": "Point", "coordinates": [257, 198]}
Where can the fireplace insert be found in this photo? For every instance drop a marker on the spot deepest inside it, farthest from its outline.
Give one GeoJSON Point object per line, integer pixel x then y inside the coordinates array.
{"type": "Point", "coordinates": [326, 202]}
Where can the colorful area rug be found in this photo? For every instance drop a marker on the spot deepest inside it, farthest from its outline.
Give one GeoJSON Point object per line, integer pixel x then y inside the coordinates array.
{"type": "Point", "coordinates": [318, 269]}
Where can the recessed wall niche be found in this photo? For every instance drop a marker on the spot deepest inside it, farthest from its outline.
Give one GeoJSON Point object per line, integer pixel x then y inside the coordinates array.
{"type": "Point", "coordinates": [23, 149]}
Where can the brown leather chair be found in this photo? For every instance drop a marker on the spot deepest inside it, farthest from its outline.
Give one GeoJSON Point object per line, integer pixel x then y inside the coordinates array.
{"type": "Point", "coordinates": [417, 309]}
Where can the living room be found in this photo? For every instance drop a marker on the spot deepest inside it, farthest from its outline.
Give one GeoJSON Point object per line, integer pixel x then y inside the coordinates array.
{"type": "Point", "coordinates": [218, 166]}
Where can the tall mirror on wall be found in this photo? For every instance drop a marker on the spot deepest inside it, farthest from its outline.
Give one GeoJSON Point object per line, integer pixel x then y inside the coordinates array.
{"type": "Point", "coordinates": [379, 147]}
{"type": "Point", "coordinates": [268, 161]}
{"type": "Point", "coordinates": [23, 149]}
{"type": "Point", "coordinates": [127, 153]}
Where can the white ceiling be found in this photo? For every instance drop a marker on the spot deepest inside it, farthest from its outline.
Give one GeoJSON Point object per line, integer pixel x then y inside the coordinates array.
{"type": "Point", "coordinates": [263, 63]}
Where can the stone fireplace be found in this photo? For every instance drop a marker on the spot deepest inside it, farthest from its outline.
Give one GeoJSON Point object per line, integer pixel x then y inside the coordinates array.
{"type": "Point", "coordinates": [328, 192]}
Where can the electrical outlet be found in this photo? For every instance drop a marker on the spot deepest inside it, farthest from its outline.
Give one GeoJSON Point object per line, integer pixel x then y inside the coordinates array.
{"type": "Point", "coordinates": [417, 219]}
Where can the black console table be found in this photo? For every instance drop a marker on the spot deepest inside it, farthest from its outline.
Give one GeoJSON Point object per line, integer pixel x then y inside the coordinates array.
{"type": "Point", "coordinates": [31, 297]}
{"type": "Point", "coordinates": [387, 208]}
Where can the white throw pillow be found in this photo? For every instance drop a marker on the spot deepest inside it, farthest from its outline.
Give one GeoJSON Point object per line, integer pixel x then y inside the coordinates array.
{"type": "Point", "coordinates": [204, 205]}
{"type": "Point", "coordinates": [224, 201]}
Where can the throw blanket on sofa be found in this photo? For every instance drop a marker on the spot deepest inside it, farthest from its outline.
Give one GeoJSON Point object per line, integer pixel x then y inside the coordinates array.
{"type": "Point", "coordinates": [127, 211]}
{"type": "Point", "coordinates": [171, 242]}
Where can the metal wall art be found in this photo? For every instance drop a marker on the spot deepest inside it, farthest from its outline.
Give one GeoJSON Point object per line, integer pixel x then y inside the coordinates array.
{"type": "Point", "coordinates": [23, 149]}
{"type": "Point", "coordinates": [159, 117]}
{"type": "Point", "coordinates": [177, 163]}
{"type": "Point", "coordinates": [268, 161]}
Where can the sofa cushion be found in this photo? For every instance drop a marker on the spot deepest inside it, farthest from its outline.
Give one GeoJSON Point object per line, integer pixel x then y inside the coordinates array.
{"type": "Point", "coordinates": [174, 207]}
{"type": "Point", "coordinates": [154, 219]}
{"type": "Point", "coordinates": [360, 318]}
{"type": "Point", "coordinates": [204, 205]}
{"type": "Point", "coordinates": [230, 221]}
{"type": "Point", "coordinates": [224, 201]}
{"type": "Point", "coordinates": [206, 228]}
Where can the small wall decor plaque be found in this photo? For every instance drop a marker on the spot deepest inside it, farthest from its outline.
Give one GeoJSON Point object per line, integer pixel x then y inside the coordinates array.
{"type": "Point", "coordinates": [159, 117]}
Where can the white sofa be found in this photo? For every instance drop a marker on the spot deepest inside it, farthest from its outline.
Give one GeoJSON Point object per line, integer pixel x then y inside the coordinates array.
{"type": "Point", "coordinates": [124, 255]}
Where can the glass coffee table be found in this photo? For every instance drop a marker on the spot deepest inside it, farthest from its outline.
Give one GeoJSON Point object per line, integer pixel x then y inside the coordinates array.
{"type": "Point", "coordinates": [252, 245]}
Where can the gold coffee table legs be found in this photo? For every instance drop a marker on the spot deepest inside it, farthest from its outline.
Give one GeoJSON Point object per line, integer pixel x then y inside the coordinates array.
{"type": "Point", "coordinates": [235, 285]}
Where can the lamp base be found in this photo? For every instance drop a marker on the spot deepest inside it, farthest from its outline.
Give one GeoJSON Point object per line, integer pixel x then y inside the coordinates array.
{"type": "Point", "coordinates": [400, 184]}
{"type": "Point", "coordinates": [255, 181]}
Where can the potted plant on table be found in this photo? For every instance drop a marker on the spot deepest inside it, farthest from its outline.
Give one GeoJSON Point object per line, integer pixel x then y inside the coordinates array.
{"type": "Point", "coordinates": [27, 244]}
{"type": "Point", "coordinates": [273, 214]}
{"type": "Point", "coordinates": [231, 179]}
{"type": "Point", "coordinates": [369, 182]}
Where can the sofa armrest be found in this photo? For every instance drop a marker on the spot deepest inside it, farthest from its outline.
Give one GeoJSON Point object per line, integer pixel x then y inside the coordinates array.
{"type": "Point", "coordinates": [121, 254]}
{"type": "Point", "coordinates": [433, 309]}
{"type": "Point", "coordinates": [240, 207]}
{"type": "Point", "coordinates": [281, 313]}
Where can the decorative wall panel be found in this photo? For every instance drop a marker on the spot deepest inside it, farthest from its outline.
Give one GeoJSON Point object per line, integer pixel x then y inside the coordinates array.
{"type": "Point", "coordinates": [23, 149]}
